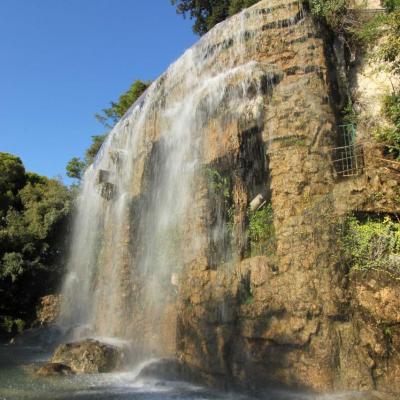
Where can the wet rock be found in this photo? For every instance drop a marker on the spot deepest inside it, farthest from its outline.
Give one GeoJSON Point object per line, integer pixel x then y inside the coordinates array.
{"type": "Point", "coordinates": [165, 369]}
{"type": "Point", "coordinates": [53, 369]}
{"type": "Point", "coordinates": [89, 356]}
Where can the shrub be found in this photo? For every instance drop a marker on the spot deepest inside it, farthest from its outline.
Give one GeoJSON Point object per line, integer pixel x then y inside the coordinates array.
{"type": "Point", "coordinates": [13, 326]}
{"type": "Point", "coordinates": [390, 5]}
{"type": "Point", "coordinates": [261, 230]}
{"type": "Point", "coordinates": [34, 217]}
{"type": "Point", "coordinates": [372, 244]}
{"type": "Point", "coordinates": [390, 136]}
{"type": "Point", "coordinates": [331, 12]}
{"type": "Point", "coordinates": [350, 115]}
{"type": "Point", "coordinates": [207, 14]}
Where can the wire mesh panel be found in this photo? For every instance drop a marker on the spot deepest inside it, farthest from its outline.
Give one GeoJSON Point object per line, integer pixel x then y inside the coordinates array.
{"type": "Point", "coordinates": [348, 160]}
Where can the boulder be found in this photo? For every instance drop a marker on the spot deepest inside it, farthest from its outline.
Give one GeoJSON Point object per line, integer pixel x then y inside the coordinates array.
{"type": "Point", "coordinates": [53, 369]}
{"type": "Point", "coordinates": [166, 369]}
{"type": "Point", "coordinates": [89, 356]}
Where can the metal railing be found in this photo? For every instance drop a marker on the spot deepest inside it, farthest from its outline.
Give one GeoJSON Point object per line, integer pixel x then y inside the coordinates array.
{"type": "Point", "coordinates": [348, 159]}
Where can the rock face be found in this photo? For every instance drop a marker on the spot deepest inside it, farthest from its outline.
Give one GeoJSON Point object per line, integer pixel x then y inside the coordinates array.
{"type": "Point", "coordinates": [88, 356]}
{"type": "Point", "coordinates": [251, 110]}
{"type": "Point", "coordinates": [49, 309]}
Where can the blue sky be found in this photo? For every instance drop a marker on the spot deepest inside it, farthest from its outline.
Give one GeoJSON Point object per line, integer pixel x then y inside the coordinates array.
{"type": "Point", "coordinates": [61, 61]}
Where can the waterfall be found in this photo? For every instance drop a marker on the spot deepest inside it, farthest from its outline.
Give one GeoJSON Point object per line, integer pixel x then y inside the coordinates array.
{"type": "Point", "coordinates": [140, 221]}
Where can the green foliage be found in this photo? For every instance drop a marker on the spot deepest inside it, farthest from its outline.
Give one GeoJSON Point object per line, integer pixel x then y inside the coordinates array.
{"type": "Point", "coordinates": [75, 168]}
{"type": "Point", "coordinates": [218, 183]}
{"type": "Point", "coordinates": [12, 178]}
{"type": "Point", "coordinates": [350, 115]}
{"type": "Point", "coordinates": [13, 326]}
{"type": "Point", "coordinates": [370, 31]}
{"type": "Point", "coordinates": [391, 5]}
{"type": "Point", "coordinates": [332, 12]}
{"type": "Point", "coordinates": [373, 244]}
{"type": "Point", "coordinates": [388, 332]}
{"type": "Point", "coordinates": [220, 187]}
{"type": "Point", "coordinates": [208, 13]}
{"type": "Point", "coordinates": [384, 30]}
{"type": "Point", "coordinates": [245, 294]}
{"type": "Point", "coordinates": [261, 230]}
{"type": "Point", "coordinates": [238, 5]}
{"type": "Point", "coordinates": [389, 49]}
{"type": "Point", "coordinates": [110, 116]}
{"type": "Point", "coordinates": [12, 265]}
{"type": "Point", "coordinates": [91, 152]}
{"type": "Point", "coordinates": [390, 136]}
{"type": "Point", "coordinates": [249, 300]}
{"type": "Point", "coordinates": [391, 108]}
{"type": "Point", "coordinates": [32, 237]}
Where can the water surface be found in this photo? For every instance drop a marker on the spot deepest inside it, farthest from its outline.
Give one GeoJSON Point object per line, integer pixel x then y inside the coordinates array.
{"type": "Point", "coordinates": [18, 383]}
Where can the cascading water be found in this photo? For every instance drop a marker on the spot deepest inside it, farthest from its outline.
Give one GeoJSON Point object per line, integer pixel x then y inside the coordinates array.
{"type": "Point", "coordinates": [139, 222]}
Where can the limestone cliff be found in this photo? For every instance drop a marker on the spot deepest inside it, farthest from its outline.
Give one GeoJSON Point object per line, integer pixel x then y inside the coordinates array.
{"type": "Point", "coordinates": [251, 110]}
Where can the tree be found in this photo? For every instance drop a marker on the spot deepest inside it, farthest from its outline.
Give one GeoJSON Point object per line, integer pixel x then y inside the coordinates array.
{"type": "Point", "coordinates": [91, 152]}
{"type": "Point", "coordinates": [208, 13]}
{"type": "Point", "coordinates": [108, 117]}
{"type": "Point", "coordinates": [75, 168]}
{"type": "Point", "coordinates": [32, 238]}
{"type": "Point", "coordinates": [12, 178]}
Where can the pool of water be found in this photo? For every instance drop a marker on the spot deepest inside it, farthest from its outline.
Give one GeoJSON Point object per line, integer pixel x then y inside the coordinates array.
{"type": "Point", "coordinates": [18, 383]}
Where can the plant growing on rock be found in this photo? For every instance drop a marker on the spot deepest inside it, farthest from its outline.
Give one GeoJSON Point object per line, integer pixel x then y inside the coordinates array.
{"type": "Point", "coordinates": [383, 32]}
{"type": "Point", "coordinates": [390, 135]}
{"type": "Point", "coordinates": [332, 12]}
{"type": "Point", "coordinates": [261, 230]}
{"type": "Point", "coordinates": [373, 244]}
{"type": "Point", "coordinates": [220, 187]}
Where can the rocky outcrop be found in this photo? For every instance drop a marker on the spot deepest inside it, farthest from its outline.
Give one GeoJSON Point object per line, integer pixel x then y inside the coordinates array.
{"type": "Point", "coordinates": [251, 110]}
{"type": "Point", "coordinates": [88, 356]}
{"type": "Point", "coordinates": [49, 309]}
{"type": "Point", "coordinates": [288, 317]}
{"type": "Point", "coordinates": [370, 340]}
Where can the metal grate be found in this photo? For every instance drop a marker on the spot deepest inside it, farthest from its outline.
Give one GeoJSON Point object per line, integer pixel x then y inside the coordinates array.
{"type": "Point", "coordinates": [348, 160]}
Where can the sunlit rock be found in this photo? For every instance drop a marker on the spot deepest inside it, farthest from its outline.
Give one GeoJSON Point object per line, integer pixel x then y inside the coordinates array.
{"type": "Point", "coordinates": [89, 356]}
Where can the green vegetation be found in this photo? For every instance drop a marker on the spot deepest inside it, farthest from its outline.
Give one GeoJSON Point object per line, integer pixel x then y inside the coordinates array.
{"type": "Point", "coordinates": [220, 187]}
{"type": "Point", "coordinates": [245, 291]}
{"type": "Point", "coordinates": [349, 115]}
{"type": "Point", "coordinates": [108, 118]}
{"type": "Point", "coordinates": [261, 230]}
{"type": "Point", "coordinates": [332, 12]}
{"type": "Point", "coordinates": [381, 34]}
{"type": "Point", "coordinates": [208, 13]}
{"type": "Point", "coordinates": [384, 31]}
{"type": "Point", "coordinates": [372, 244]}
{"type": "Point", "coordinates": [219, 184]}
{"type": "Point", "coordinates": [34, 215]}
{"type": "Point", "coordinates": [390, 136]}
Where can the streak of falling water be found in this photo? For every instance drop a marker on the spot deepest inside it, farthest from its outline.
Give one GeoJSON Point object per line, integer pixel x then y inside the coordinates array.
{"type": "Point", "coordinates": [130, 229]}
